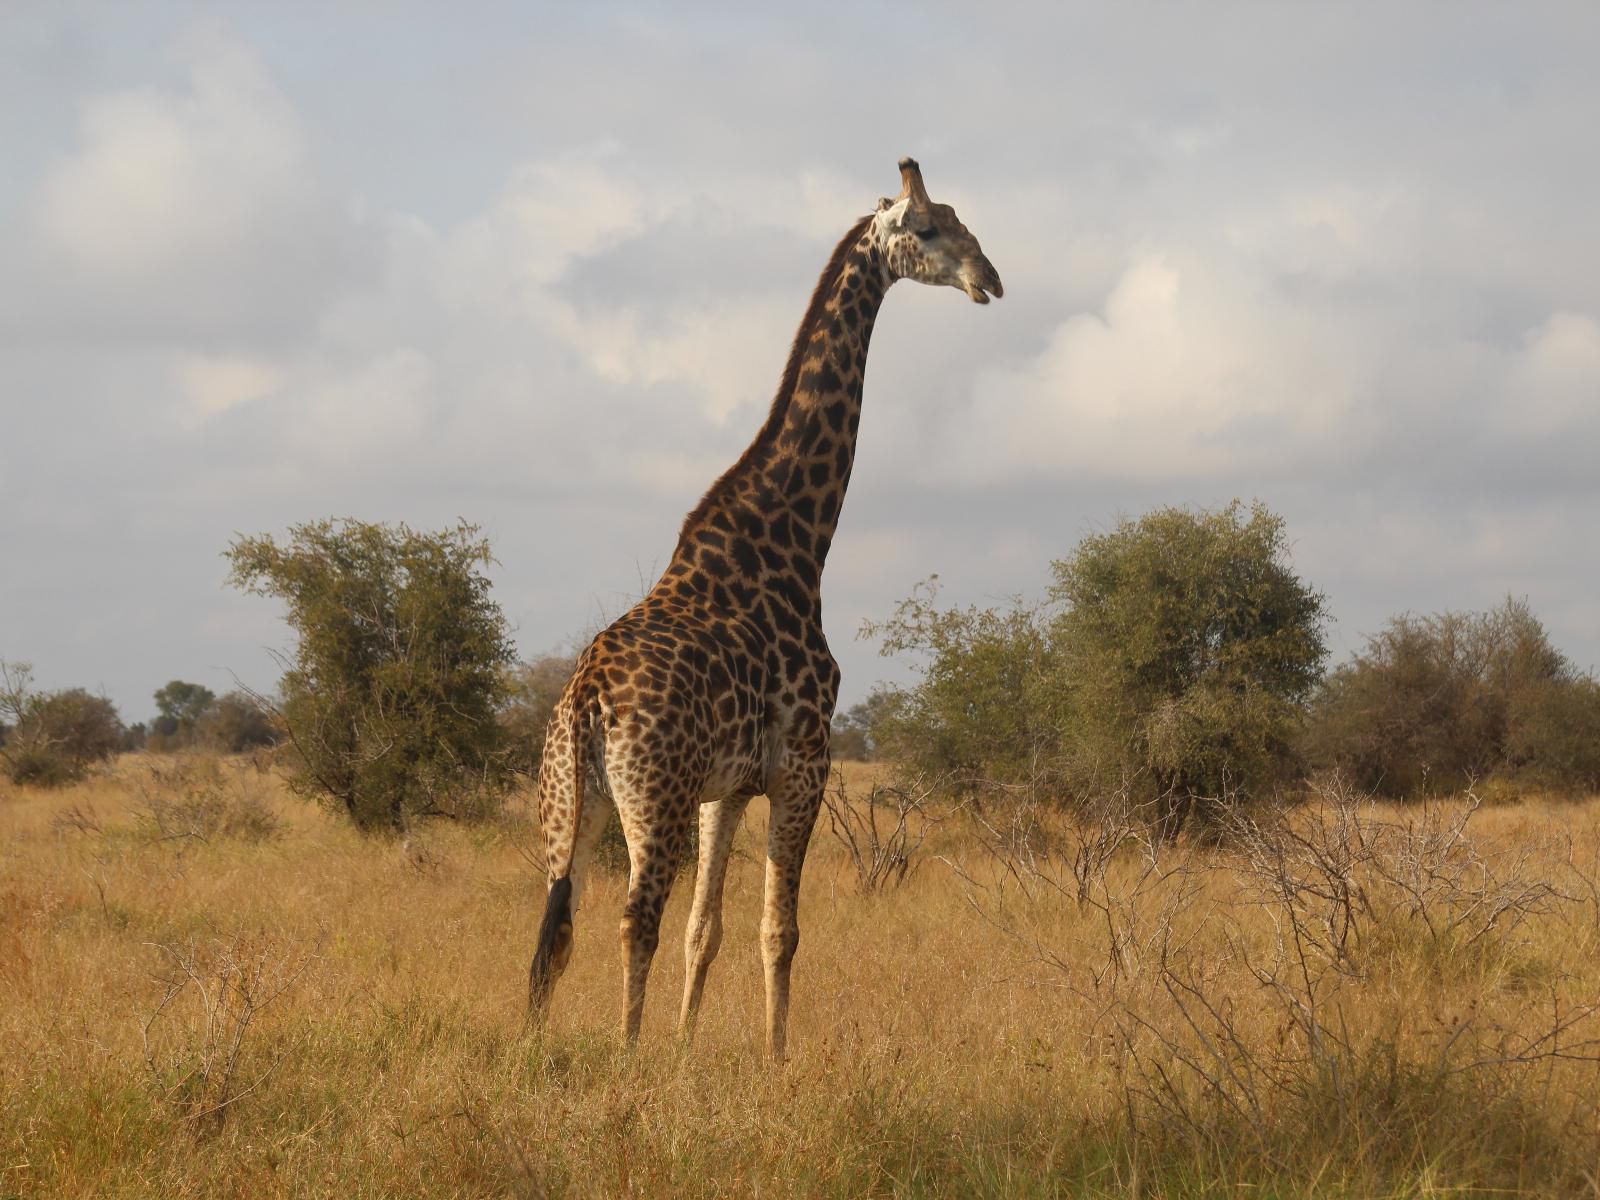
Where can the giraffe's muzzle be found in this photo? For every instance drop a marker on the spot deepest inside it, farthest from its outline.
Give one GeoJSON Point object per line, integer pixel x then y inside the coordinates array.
{"type": "Point", "coordinates": [981, 280]}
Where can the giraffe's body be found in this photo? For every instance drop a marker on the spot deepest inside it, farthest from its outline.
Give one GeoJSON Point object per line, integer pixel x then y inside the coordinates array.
{"type": "Point", "coordinates": [719, 684]}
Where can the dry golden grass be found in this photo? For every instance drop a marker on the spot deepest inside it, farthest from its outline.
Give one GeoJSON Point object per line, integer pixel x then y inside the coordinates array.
{"type": "Point", "coordinates": [360, 1031]}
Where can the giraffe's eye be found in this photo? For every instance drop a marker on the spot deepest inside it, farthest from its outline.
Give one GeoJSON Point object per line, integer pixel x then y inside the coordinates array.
{"type": "Point", "coordinates": [927, 235]}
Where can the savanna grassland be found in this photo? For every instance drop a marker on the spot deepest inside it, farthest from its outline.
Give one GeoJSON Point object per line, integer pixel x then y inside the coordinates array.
{"type": "Point", "coordinates": [212, 988]}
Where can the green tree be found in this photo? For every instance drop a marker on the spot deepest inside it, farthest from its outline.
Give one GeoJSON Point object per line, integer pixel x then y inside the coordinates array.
{"type": "Point", "coordinates": [181, 706]}
{"type": "Point", "coordinates": [389, 699]}
{"type": "Point", "coordinates": [858, 732]}
{"type": "Point", "coordinates": [531, 691]}
{"type": "Point", "coordinates": [1173, 659]}
{"type": "Point", "coordinates": [236, 722]}
{"type": "Point", "coordinates": [1553, 735]}
{"type": "Point", "coordinates": [1435, 701]}
{"type": "Point", "coordinates": [1189, 647]}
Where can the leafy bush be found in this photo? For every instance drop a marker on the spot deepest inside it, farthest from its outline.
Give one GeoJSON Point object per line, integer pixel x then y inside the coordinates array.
{"type": "Point", "coordinates": [77, 726]}
{"type": "Point", "coordinates": [988, 706]}
{"type": "Point", "coordinates": [1189, 647]}
{"type": "Point", "coordinates": [236, 723]}
{"type": "Point", "coordinates": [531, 691]}
{"type": "Point", "coordinates": [1553, 735]}
{"type": "Point", "coordinates": [858, 732]}
{"type": "Point", "coordinates": [390, 698]}
{"type": "Point", "coordinates": [38, 767]}
{"type": "Point", "coordinates": [55, 736]}
{"type": "Point", "coordinates": [1433, 702]}
{"type": "Point", "coordinates": [1173, 662]}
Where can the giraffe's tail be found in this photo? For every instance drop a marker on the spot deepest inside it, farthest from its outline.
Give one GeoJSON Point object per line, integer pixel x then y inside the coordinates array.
{"type": "Point", "coordinates": [555, 945]}
{"type": "Point", "coordinates": [564, 767]}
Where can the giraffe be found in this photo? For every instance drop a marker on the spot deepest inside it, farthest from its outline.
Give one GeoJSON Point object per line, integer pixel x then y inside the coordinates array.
{"type": "Point", "coordinates": [719, 685]}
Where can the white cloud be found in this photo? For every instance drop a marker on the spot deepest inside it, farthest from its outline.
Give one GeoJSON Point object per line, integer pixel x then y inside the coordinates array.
{"type": "Point", "coordinates": [187, 212]}
{"type": "Point", "coordinates": [729, 354]}
{"type": "Point", "coordinates": [214, 384]}
{"type": "Point", "coordinates": [1555, 380]}
{"type": "Point", "coordinates": [488, 309]}
{"type": "Point", "coordinates": [362, 411]}
{"type": "Point", "coordinates": [548, 214]}
{"type": "Point", "coordinates": [1187, 361]}
{"type": "Point", "coordinates": [164, 178]}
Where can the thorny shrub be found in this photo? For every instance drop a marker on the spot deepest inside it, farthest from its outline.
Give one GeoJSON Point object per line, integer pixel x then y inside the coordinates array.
{"type": "Point", "coordinates": [196, 798]}
{"type": "Point", "coordinates": [195, 1039]}
{"type": "Point", "coordinates": [1250, 994]}
{"type": "Point", "coordinates": [882, 833]}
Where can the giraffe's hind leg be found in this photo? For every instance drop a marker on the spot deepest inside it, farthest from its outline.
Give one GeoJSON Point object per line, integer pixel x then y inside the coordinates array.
{"type": "Point", "coordinates": [657, 831]}
{"type": "Point", "coordinates": [794, 813]}
{"type": "Point", "coordinates": [719, 821]}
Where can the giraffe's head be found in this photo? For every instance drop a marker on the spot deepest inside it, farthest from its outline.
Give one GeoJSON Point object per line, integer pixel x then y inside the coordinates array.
{"type": "Point", "coordinates": [927, 242]}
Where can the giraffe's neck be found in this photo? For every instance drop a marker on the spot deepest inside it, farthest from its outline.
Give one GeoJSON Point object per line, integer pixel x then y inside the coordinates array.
{"type": "Point", "coordinates": [765, 527]}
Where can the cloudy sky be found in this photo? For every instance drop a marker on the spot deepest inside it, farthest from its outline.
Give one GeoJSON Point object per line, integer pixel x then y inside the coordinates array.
{"type": "Point", "coordinates": [537, 266]}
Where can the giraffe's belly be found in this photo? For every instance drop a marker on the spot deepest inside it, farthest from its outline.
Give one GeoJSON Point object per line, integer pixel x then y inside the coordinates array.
{"type": "Point", "coordinates": [737, 766]}
{"type": "Point", "coordinates": [680, 748]}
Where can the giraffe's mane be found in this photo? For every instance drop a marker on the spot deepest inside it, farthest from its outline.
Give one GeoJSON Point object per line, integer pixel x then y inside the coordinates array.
{"type": "Point", "coordinates": [791, 376]}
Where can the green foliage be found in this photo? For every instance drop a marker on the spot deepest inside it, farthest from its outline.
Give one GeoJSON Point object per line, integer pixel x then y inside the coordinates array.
{"type": "Point", "coordinates": [39, 767]}
{"type": "Point", "coordinates": [1190, 647]}
{"type": "Point", "coordinates": [55, 736]}
{"type": "Point", "coordinates": [988, 705]}
{"type": "Point", "coordinates": [1433, 702]}
{"type": "Point", "coordinates": [858, 732]}
{"type": "Point", "coordinates": [235, 723]}
{"type": "Point", "coordinates": [389, 700]}
{"type": "Point", "coordinates": [1175, 657]}
{"type": "Point", "coordinates": [848, 743]}
{"type": "Point", "coordinates": [1553, 735]}
{"type": "Point", "coordinates": [531, 691]}
{"type": "Point", "coordinates": [194, 717]}
{"type": "Point", "coordinates": [181, 706]}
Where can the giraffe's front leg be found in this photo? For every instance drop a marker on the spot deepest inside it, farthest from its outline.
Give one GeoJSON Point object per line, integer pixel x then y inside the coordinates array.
{"type": "Point", "coordinates": [794, 812]}
{"type": "Point", "coordinates": [719, 821]}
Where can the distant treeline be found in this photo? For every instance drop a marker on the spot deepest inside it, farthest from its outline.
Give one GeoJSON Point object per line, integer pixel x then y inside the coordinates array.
{"type": "Point", "coordinates": [49, 738]}
{"type": "Point", "coordinates": [1177, 659]}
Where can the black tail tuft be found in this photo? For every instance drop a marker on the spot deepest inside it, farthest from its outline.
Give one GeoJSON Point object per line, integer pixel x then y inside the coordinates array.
{"type": "Point", "coordinates": [555, 944]}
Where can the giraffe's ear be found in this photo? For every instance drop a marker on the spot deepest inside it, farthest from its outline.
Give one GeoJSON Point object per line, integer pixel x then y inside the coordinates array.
{"type": "Point", "coordinates": [892, 213]}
